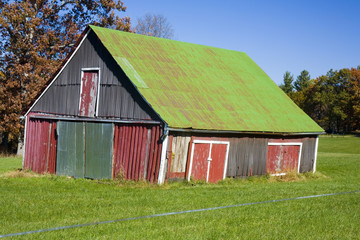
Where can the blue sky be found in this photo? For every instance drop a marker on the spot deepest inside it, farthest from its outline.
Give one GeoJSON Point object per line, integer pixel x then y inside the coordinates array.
{"type": "Point", "coordinates": [278, 35]}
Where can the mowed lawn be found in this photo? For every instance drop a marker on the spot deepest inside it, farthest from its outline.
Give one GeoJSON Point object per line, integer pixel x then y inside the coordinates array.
{"type": "Point", "coordinates": [33, 202]}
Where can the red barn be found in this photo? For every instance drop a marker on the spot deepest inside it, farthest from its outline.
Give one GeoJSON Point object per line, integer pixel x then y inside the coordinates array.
{"type": "Point", "coordinates": [156, 109]}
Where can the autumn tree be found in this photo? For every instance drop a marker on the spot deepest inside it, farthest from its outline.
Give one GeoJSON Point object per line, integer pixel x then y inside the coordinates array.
{"type": "Point", "coordinates": [35, 35]}
{"type": "Point", "coordinates": [353, 89]}
{"type": "Point", "coordinates": [154, 25]}
{"type": "Point", "coordinates": [288, 79]}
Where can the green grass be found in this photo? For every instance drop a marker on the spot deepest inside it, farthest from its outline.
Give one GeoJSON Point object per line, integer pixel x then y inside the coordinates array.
{"type": "Point", "coordinates": [31, 203]}
{"type": "Point", "coordinates": [10, 163]}
{"type": "Point", "coordinates": [339, 144]}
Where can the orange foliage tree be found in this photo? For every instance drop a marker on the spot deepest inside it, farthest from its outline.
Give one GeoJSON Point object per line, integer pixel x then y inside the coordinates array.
{"type": "Point", "coordinates": [35, 35]}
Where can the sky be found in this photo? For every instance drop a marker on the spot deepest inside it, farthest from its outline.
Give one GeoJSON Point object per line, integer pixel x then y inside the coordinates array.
{"type": "Point", "coordinates": [279, 35]}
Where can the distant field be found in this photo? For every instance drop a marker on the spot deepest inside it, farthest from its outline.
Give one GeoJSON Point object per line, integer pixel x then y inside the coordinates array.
{"type": "Point", "coordinates": [38, 202]}
{"type": "Point", "coordinates": [339, 144]}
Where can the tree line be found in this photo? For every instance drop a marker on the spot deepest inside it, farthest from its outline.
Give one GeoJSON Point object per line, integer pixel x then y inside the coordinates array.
{"type": "Point", "coordinates": [36, 35]}
{"type": "Point", "coordinates": [332, 100]}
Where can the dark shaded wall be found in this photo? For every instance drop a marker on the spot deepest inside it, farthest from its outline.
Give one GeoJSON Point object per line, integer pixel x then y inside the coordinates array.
{"type": "Point", "coordinates": [118, 98]}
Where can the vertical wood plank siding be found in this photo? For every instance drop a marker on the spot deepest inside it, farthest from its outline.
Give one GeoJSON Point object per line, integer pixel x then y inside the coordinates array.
{"type": "Point", "coordinates": [247, 154]}
{"type": "Point", "coordinates": [40, 154]}
{"type": "Point", "coordinates": [180, 145]}
{"type": "Point", "coordinates": [136, 152]}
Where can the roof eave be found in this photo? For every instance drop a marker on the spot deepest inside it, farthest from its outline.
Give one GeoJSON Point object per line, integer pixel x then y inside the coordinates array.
{"type": "Point", "coordinates": [244, 132]}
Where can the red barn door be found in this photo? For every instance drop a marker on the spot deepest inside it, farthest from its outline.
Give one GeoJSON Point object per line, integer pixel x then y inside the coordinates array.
{"type": "Point", "coordinates": [88, 94]}
{"type": "Point", "coordinates": [208, 160]}
{"type": "Point", "coordinates": [217, 166]}
{"type": "Point", "coordinates": [283, 157]}
{"type": "Point", "coordinates": [200, 161]}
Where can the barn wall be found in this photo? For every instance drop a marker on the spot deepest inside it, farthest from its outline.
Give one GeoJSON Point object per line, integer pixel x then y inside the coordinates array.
{"type": "Point", "coordinates": [180, 146]}
{"type": "Point", "coordinates": [40, 148]}
{"type": "Point", "coordinates": [137, 151]}
{"type": "Point", "coordinates": [118, 98]}
{"type": "Point", "coordinates": [92, 149]}
{"type": "Point", "coordinates": [70, 149]}
{"type": "Point", "coordinates": [307, 153]}
{"type": "Point", "coordinates": [247, 154]}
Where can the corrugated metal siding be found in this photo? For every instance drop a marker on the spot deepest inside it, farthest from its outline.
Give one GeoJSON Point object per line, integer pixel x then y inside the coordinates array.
{"type": "Point", "coordinates": [70, 150]}
{"type": "Point", "coordinates": [117, 98]}
{"type": "Point", "coordinates": [84, 149]}
{"type": "Point", "coordinates": [40, 150]}
{"type": "Point", "coordinates": [98, 150]}
{"type": "Point", "coordinates": [137, 152]}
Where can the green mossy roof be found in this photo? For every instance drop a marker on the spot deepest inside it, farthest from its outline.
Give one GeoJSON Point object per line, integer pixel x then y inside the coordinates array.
{"type": "Point", "coordinates": [201, 87]}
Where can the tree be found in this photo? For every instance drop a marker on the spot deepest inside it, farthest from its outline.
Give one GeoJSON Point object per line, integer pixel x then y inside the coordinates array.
{"type": "Point", "coordinates": [354, 101]}
{"type": "Point", "coordinates": [287, 86]}
{"type": "Point", "coordinates": [332, 100]}
{"type": "Point", "coordinates": [34, 36]}
{"type": "Point", "coordinates": [154, 25]}
{"type": "Point", "coordinates": [302, 81]}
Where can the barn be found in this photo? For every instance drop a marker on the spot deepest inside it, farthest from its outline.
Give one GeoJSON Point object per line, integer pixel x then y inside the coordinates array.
{"type": "Point", "coordinates": [138, 107]}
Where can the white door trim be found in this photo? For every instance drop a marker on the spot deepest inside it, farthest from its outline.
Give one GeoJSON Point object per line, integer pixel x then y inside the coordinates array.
{"type": "Point", "coordinates": [211, 142]}
{"type": "Point", "coordinates": [288, 144]}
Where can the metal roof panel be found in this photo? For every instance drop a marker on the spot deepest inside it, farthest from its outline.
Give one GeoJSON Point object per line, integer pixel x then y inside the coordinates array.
{"type": "Point", "coordinates": [202, 87]}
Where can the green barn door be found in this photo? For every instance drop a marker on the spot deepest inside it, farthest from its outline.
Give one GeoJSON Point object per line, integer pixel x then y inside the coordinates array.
{"type": "Point", "coordinates": [84, 149]}
{"type": "Point", "coordinates": [98, 150]}
{"type": "Point", "coordinates": [70, 149]}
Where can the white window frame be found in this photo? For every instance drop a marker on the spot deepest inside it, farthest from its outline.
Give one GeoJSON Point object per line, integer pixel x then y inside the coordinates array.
{"type": "Point", "coordinates": [288, 144]}
{"type": "Point", "coordinates": [209, 158]}
{"type": "Point", "coordinates": [98, 87]}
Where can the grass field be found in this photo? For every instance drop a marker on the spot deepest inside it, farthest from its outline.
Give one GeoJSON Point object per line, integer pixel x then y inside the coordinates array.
{"type": "Point", "coordinates": [31, 202]}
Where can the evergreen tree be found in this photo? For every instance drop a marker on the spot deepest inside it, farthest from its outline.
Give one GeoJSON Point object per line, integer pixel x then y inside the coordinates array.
{"type": "Point", "coordinates": [302, 81]}
{"type": "Point", "coordinates": [288, 79]}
